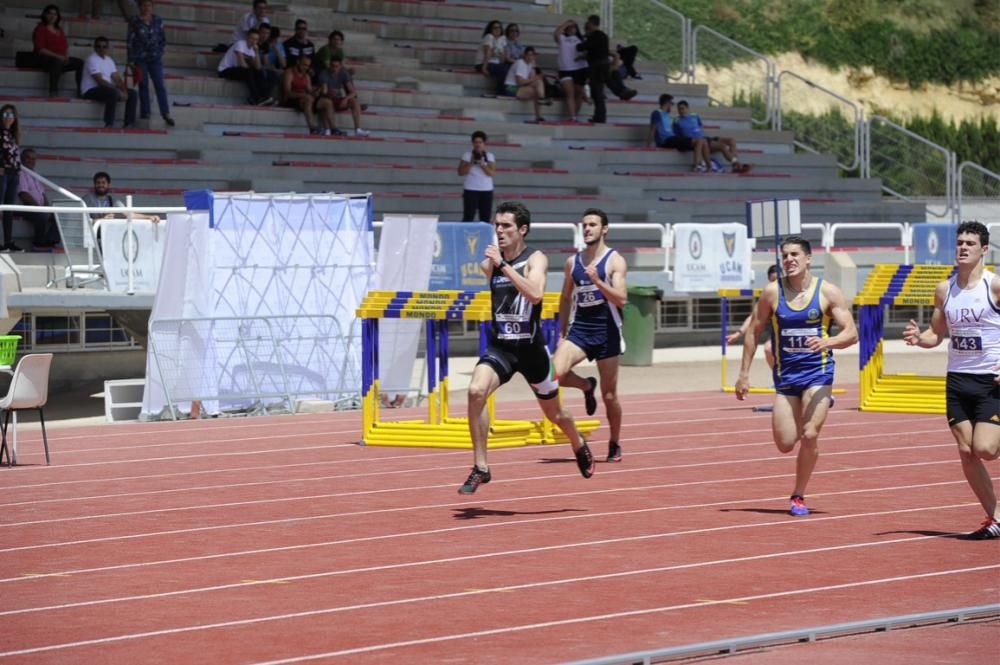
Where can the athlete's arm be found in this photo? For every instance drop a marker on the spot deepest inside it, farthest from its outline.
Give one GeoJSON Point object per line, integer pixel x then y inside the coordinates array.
{"type": "Point", "coordinates": [566, 297]}
{"type": "Point", "coordinates": [614, 289]}
{"type": "Point", "coordinates": [733, 336]}
{"type": "Point", "coordinates": [761, 314]}
{"type": "Point", "coordinates": [486, 265]}
{"type": "Point", "coordinates": [840, 312]}
{"type": "Point", "coordinates": [532, 284]}
{"type": "Point", "coordinates": [938, 329]}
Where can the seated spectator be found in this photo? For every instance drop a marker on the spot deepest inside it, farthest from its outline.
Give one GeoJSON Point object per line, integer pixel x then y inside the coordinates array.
{"type": "Point", "coordinates": [616, 80]}
{"type": "Point", "coordinates": [490, 56]}
{"type": "Point", "coordinates": [146, 42]}
{"type": "Point", "coordinates": [572, 66]}
{"type": "Point", "coordinates": [298, 44]}
{"type": "Point", "coordinates": [626, 61]}
{"type": "Point", "coordinates": [661, 134]}
{"type": "Point", "coordinates": [242, 63]}
{"type": "Point", "coordinates": [513, 50]}
{"type": "Point", "coordinates": [100, 197]}
{"type": "Point", "coordinates": [31, 192]}
{"type": "Point", "coordinates": [272, 51]}
{"type": "Point", "coordinates": [334, 47]}
{"type": "Point", "coordinates": [102, 83]}
{"type": "Point", "coordinates": [51, 51]}
{"type": "Point", "coordinates": [257, 18]}
{"type": "Point", "coordinates": [337, 84]}
{"type": "Point", "coordinates": [689, 124]}
{"type": "Point", "coordinates": [300, 93]}
{"type": "Point", "coordinates": [526, 83]}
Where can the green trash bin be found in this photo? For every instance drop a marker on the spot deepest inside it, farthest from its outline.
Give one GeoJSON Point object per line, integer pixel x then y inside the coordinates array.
{"type": "Point", "coordinates": [639, 324]}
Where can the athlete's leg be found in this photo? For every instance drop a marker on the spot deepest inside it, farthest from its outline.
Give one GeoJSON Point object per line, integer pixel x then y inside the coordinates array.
{"type": "Point", "coordinates": [607, 369]}
{"type": "Point", "coordinates": [976, 473]}
{"type": "Point", "coordinates": [786, 421]}
{"type": "Point", "coordinates": [815, 404]}
{"type": "Point", "coordinates": [485, 382]}
{"type": "Point", "coordinates": [569, 355]}
{"type": "Point", "coordinates": [563, 419]}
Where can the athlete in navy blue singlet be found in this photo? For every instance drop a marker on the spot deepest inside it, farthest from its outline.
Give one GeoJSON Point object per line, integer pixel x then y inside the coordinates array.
{"type": "Point", "coordinates": [515, 343]}
{"type": "Point", "coordinates": [593, 295]}
{"type": "Point", "coordinates": [799, 308]}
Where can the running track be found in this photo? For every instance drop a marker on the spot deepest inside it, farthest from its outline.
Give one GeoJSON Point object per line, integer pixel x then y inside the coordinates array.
{"type": "Point", "coordinates": [280, 540]}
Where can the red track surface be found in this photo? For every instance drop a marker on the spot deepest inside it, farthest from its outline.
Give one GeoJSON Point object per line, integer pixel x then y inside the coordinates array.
{"type": "Point", "coordinates": [278, 539]}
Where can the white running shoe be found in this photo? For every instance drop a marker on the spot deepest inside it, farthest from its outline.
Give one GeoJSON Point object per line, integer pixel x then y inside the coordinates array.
{"type": "Point", "coordinates": [362, 132]}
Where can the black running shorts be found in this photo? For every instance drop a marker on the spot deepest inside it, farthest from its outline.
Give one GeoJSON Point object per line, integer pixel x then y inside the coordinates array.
{"type": "Point", "coordinates": [531, 360]}
{"type": "Point", "coordinates": [973, 397]}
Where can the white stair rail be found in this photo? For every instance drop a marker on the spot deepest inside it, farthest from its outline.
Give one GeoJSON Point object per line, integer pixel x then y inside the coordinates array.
{"type": "Point", "coordinates": [905, 233]}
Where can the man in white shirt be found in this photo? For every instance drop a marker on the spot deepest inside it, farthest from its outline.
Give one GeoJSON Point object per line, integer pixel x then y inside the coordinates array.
{"type": "Point", "coordinates": [477, 166]}
{"type": "Point", "coordinates": [254, 19]}
{"type": "Point", "coordinates": [101, 82]}
{"type": "Point", "coordinates": [242, 63]}
{"type": "Point", "coordinates": [525, 82]}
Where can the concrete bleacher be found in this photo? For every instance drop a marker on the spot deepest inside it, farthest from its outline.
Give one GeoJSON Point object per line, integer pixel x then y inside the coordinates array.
{"type": "Point", "coordinates": [412, 63]}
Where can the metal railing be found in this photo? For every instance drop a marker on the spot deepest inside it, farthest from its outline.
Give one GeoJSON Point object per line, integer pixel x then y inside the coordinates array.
{"type": "Point", "coordinates": [710, 49]}
{"type": "Point", "coordinates": [826, 133]}
{"type": "Point", "coordinates": [910, 167]}
{"type": "Point", "coordinates": [981, 187]}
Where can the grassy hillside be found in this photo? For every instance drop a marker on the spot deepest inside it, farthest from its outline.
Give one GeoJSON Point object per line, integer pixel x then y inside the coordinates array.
{"type": "Point", "coordinates": [912, 41]}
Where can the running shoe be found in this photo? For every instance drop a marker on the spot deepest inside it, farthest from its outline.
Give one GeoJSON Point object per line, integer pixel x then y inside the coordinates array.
{"type": "Point", "coordinates": [989, 530]}
{"type": "Point", "coordinates": [589, 400]}
{"type": "Point", "coordinates": [614, 452]}
{"type": "Point", "coordinates": [585, 460]}
{"type": "Point", "coordinates": [475, 479]}
{"type": "Point", "coordinates": [798, 507]}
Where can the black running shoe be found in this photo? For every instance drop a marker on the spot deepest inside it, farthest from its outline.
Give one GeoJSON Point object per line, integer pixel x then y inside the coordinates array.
{"type": "Point", "coordinates": [614, 452]}
{"type": "Point", "coordinates": [585, 460]}
{"type": "Point", "coordinates": [475, 479]}
{"type": "Point", "coordinates": [589, 400]}
{"type": "Point", "coordinates": [989, 530]}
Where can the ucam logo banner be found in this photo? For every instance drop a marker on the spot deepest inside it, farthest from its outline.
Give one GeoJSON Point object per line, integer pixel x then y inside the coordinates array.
{"type": "Point", "coordinates": [146, 248]}
{"type": "Point", "coordinates": [709, 257]}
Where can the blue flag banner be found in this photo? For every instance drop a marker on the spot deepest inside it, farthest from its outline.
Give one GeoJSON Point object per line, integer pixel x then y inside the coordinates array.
{"type": "Point", "coordinates": [934, 243]}
{"type": "Point", "coordinates": [458, 251]}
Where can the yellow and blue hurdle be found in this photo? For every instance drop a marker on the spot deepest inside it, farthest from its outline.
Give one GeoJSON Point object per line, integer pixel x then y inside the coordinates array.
{"type": "Point", "coordinates": [440, 429]}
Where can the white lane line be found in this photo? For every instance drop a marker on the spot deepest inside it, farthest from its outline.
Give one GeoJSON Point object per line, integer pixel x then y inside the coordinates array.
{"type": "Point", "coordinates": [715, 419]}
{"type": "Point", "coordinates": [480, 502]}
{"type": "Point", "coordinates": [366, 474]}
{"type": "Point", "coordinates": [619, 615]}
{"type": "Point", "coordinates": [431, 532]}
{"type": "Point", "coordinates": [331, 495]}
{"type": "Point", "coordinates": [574, 620]}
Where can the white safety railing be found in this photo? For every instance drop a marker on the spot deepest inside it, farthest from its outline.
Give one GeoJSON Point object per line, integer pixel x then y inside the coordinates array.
{"type": "Point", "coordinates": [979, 187]}
{"type": "Point", "coordinates": [818, 117]}
{"type": "Point", "coordinates": [905, 233]}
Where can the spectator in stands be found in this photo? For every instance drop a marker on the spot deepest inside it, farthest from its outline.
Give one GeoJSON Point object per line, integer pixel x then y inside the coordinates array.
{"type": "Point", "coordinates": [272, 51]}
{"type": "Point", "coordinates": [525, 82]}
{"type": "Point", "coordinates": [102, 83]}
{"type": "Point", "coordinates": [572, 65]}
{"type": "Point", "coordinates": [300, 93]}
{"type": "Point", "coordinates": [298, 44]}
{"type": "Point", "coordinates": [242, 63]}
{"type": "Point", "coordinates": [626, 61]}
{"type": "Point", "coordinates": [661, 134]}
{"type": "Point", "coordinates": [334, 47]}
{"type": "Point", "coordinates": [10, 160]}
{"type": "Point", "coordinates": [146, 41]}
{"type": "Point", "coordinates": [51, 50]}
{"type": "Point", "coordinates": [513, 50]}
{"type": "Point", "coordinates": [596, 47]}
{"type": "Point", "coordinates": [100, 197]}
{"type": "Point", "coordinates": [616, 80]}
{"type": "Point", "coordinates": [94, 8]}
{"type": "Point", "coordinates": [689, 124]}
{"type": "Point", "coordinates": [490, 57]}
{"type": "Point", "coordinates": [477, 167]}
{"type": "Point", "coordinates": [337, 84]}
{"type": "Point", "coordinates": [257, 18]}
{"type": "Point", "coordinates": [31, 192]}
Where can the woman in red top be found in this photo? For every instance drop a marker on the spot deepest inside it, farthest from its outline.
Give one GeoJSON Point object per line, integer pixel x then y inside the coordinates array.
{"type": "Point", "coordinates": [52, 51]}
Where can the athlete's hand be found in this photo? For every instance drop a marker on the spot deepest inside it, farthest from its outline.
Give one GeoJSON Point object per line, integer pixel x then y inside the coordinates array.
{"type": "Point", "coordinates": [592, 275]}
{"type": "Point", "coordinates": [493, 254]}
{"type": "Point", "coordinates": [911, 333]}
{"type": "Point", "coordinates": [742, 387]}
{"type": "Point", "coordinates": [996, 373]}
{"type": "Point", "coordinates": [817, 344]}
{"type": "Point", "coordinates": [732, 337]}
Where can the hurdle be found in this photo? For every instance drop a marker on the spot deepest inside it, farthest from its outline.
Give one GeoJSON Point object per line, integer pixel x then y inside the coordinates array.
{"type": "Point", "coordinates": [889, 285]}
{"type": "Point", "coordinates": [439, 429]}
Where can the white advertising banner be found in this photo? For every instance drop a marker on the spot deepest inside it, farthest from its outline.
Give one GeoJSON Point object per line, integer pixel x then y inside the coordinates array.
{"type": "Point", "coordinates": [405, 255]}
{"type": "Point", "coordinates": [146, 248]}
{"type": "Point", "coordinates": [709, 257]}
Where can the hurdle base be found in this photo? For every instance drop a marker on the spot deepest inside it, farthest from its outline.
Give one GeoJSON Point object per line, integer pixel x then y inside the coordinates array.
{"type": "Point", "coordinates": [906, 393]}
{"type": "Point", "coordinates": [770, 391]}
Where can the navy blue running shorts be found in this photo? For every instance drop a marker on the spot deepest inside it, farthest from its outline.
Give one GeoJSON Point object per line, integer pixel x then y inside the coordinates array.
{"type": "Point", "coordinates": [597, 345]}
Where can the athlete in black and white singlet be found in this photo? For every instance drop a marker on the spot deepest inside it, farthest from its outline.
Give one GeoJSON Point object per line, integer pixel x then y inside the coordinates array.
{"type": "Point", "coordinates": [516, 321]}
{"type": "Point", "coordinates": [973, 325]}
